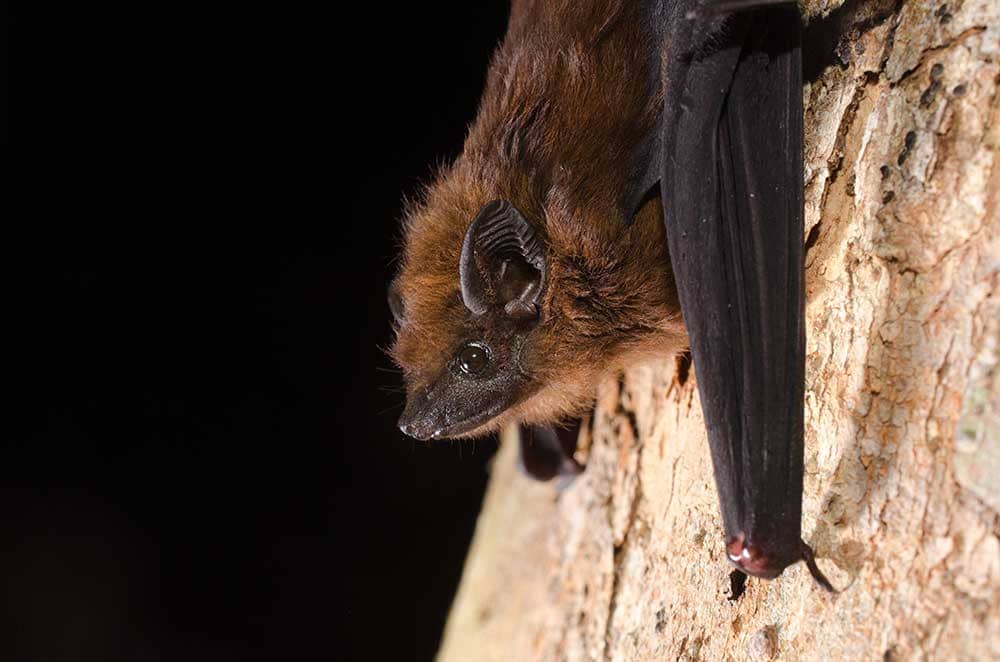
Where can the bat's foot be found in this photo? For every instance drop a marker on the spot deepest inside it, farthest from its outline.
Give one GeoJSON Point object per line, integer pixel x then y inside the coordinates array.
{"type": "Point", "coordinates": [769, 561]}
{"type": "Point", "coordinates": [544, 455]}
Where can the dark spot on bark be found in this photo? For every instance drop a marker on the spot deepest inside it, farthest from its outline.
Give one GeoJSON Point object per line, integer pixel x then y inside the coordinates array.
{"type": "Point", "coordinates": [661, 620]}
{"type": "Point", "coordinates": [737, 585]}
{"type": "Point", "coordinates": [812, 238]}
{"type": "Point", "coordinates": [834, 163]}
{"type": "Point", "coordinates": [887, 197]}
{"type": "Point", "coordinates": [885, 171]}
{"type": "Point", "coordinates": [937, 70]}
{"type": "Point", "coordinates": [928, 96]}
{"type": "Point", "coordinates": [960, 90]}
{"type": "Point", "coordinates": [941, 11]}
{"type": "Point", "coordinates": [946, 19]}
{"type": "Point", "coordinates": [843, 53]}
{"type": "Point", "coordinates": [909, 141]}
{"type": "Point", "coordinates": [683, 363]}
{"type": "Point", "coordinates": [831, 40]}
{"type": "Point", "coordinates": [889, 655]}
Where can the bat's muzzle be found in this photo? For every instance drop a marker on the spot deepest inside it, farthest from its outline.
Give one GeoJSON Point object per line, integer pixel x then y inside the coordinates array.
{"type": "Point", "coordinates": [432, 426]}
{"type": "Point", "coordinates": [418, 419]}
{"type": "Point", "coordinates": [416, 426]}
{"type": "Point", "coordinates": [453, 407]}
{"type": "Point", "coordinates": [430, 416]}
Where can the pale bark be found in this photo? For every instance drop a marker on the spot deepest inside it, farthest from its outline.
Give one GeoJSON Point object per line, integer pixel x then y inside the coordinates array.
{"type": "Point", "coordinates": [902, 468]}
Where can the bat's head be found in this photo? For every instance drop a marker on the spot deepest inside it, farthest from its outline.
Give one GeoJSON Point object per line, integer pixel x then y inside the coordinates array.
{"type": "Point", "coordinates": [501, 319]}
{"type": "Point", "coordinates": [464, 356]}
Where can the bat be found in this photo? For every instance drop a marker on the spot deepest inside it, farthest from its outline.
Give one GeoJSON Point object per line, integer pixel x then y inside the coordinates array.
{"type": "Point", "coordinates": [631, 187]}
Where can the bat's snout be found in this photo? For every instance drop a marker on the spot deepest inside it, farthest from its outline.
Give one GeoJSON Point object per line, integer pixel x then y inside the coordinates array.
{"type": "Point", "coordinates": [416, 430]}
{"type": "Point", "coordinates": [417, 422]}
{"type": "Point", "coordinates": [453, 407]}
{"type": "Point", "coordinates": [429, 424]}
{"type": "Point", "coordinates": [426, 417]}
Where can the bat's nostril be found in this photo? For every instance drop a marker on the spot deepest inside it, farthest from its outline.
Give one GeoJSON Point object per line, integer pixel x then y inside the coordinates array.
{"type": "Point", "coordinates": [408, 428]}
{"type": "Point", "coordinates": [414, 429]}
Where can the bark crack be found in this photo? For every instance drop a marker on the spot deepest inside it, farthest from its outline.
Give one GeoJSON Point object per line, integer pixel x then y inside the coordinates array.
{"type": "Point", "coordinates": [931, 50]}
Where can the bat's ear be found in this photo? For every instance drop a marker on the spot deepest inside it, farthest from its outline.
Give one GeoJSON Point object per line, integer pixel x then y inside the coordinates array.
{"type": "Point", "coordinates": [502, 266]}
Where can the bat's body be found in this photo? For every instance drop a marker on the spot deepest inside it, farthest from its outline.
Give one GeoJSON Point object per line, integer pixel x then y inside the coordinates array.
{"type": "Point", "coordinates": [568, 98]}
{"type": "Point", "coordinates": [538, 263]}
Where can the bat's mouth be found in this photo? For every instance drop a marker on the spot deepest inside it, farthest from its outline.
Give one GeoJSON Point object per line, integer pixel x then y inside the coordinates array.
{"type": "Point", "coordinates": [452, 407]}
{"type": "Point", "coordinates": [463, 427]}
{"type": "Point", "coordinates": [427, 426]}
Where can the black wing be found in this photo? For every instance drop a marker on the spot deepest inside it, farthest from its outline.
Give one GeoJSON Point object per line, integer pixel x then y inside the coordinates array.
{"type": "Point", "coordinates": [731, 185]}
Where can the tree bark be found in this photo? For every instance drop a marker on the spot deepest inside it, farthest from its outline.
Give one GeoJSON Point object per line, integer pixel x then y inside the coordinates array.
{"type": "Point", "coordinates": [902, 461]}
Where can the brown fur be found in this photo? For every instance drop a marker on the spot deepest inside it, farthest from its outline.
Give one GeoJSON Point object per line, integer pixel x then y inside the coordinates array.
{"type": "Point", "coordinates": [568, 95]}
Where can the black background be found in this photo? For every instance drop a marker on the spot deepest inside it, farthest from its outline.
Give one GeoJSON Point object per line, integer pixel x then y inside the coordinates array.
{"type": "Point", "coordinates": [204, 463]}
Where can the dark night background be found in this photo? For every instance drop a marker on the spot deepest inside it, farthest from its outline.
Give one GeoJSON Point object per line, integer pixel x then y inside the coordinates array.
{"type": "Point", "coordinates": [204, 463]}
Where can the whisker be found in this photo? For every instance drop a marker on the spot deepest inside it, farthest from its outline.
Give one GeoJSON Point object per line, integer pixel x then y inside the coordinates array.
{"type": "Point", "coordinates": [398, 405]}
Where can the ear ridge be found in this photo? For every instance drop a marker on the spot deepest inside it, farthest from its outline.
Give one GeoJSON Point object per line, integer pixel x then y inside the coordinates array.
{"type": "Point", "coordinates": [498, 229]}
{"type": "Point", "coordinates": [497, 233]}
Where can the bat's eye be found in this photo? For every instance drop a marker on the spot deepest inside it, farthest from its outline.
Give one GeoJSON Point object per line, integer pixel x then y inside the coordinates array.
{"type": "Point", "coordinates": [473, 358]}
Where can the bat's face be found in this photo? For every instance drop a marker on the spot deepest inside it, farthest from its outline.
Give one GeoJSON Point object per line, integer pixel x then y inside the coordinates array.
{"type": "Point", "coordinates": [464, 356]}
{"type": "Point", "coordinates": [500, 322]}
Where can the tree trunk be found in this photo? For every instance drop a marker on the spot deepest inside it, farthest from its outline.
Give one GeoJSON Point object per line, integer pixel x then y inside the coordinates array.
{"type": "Point", "coordinates": [902, 461]}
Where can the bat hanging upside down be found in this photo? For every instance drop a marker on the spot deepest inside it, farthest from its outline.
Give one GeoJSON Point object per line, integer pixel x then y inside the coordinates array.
{"type": "Point", "coordinates": [631, 187]}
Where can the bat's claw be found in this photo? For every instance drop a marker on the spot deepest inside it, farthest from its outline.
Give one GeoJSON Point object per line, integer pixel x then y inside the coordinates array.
{"type": "Point", "coordinates": [810, 559]}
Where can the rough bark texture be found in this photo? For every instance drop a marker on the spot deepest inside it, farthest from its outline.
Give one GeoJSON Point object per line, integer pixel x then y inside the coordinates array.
{"type": "Point", "coordinates": [902, 469]}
